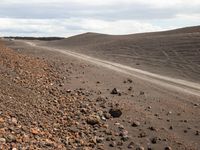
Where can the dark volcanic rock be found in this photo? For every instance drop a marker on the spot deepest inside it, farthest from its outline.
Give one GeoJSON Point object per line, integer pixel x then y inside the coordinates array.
{"type": "Point", "coordinates": [130, 88]}
{"type": "Point", "coordinates": [197, 133]}
{"type": "Point", "coordinates": [113, 144]}
{"type": "Point", "coordinates": [154, 140]}
{"type": "Point", "coordinates": [115, 112]}
{"type": "Point", "coordinates": [168, 148]}
{"type": "Point", "coordinates": [114, 91]}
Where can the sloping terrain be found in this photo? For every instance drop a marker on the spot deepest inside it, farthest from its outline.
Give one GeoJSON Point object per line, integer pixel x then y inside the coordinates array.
{"type": "Point", "coordinates": [37, 111]}
{"type": "Point", "coordinates": [49, 100]}
{"type": "Point", "coordinates": [173, 53]}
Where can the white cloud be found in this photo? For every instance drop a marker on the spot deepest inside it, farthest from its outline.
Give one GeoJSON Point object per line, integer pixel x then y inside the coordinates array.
{"type": "Point", "coordinates": [69, 17]}
{"type": "Point", "coordinates": [118, 27]}
{"type": "Point", "coordinates": [157, 3]}
{"type": "Point", "coordinates": [68, 27]}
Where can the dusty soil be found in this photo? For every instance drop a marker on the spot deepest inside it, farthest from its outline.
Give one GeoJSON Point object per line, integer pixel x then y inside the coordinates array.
{"type": "Point", "coordinates": [173, 53]}
{"type": "Point", "coordinates": [53, 101]}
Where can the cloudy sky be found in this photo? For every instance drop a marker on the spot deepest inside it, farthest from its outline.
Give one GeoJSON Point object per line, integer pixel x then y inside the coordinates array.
{"type": "Point", "coordinates": [70, 17]}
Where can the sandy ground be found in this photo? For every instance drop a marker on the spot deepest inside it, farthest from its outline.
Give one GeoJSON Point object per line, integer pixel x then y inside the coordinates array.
{"type": "Point", "coordinates": [153, 116]}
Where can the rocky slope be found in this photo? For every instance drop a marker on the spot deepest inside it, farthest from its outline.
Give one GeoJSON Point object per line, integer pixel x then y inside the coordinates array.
{"type": "Point", "coordinates": [36, 112]}
{"type": "Point", "coordinates": [52, 101]}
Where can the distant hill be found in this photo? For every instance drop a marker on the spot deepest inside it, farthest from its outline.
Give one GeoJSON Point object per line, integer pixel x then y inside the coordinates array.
{"type": "Point", "coordinates": [34, 38]}
{"type": "Point", "coordinates": [174, 52]}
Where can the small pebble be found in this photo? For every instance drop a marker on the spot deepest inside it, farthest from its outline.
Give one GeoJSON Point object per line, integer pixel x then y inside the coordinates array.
{"type": "Point", "coordinates": [154, 140]}
{"type": "Point", "coordinates": [168, 148]}
{"type": "Point", "coordinates": [113, 144]}
{"type": "Point", "coordinates": [152, 128]}
{"type": "Point", "coordinates": [14, 120]}
{"type": "Point", "coordinates": [197, 133]}
{"type": "Point", "coordinates": [131, 145]}
{"type": "Point", "coordinates": [140, 148]}
{"type": "Point", "coordinates": [135, 124]}
{"type": "Point", "coordinates": [2, 140]}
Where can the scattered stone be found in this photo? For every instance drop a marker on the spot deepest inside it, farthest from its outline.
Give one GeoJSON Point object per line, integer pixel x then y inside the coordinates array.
{"type": "Point", "coordinates": [100, 99]}
{"type": "Point", "coordinates": [14, 120]}
{"type": "Point", "coordinates": [115, 112]}
{"type": "Point", "coordinates": [135, 124]}
{"type": "Point", "coordinates": [130, 88]}
{"type": "Point", "coordinates": [171, 128]}
{"type": "Point", "coordinates": [2, 140]}
{"type": "Point", "coordinates": [1, 120]}
{"type": "Point", "coordinates": [124, 135]}
{"type": "Point", "coordinates": [169, 112]}
{"type": "Point", "coordinates": [168, 148]}
{"type": "Point", "coordinates": [120, 143]}
{"type": "Point", "coordinates": [107, 115]}
{"type": "Point", "coordinates": [35, 131]}
{"type": "Point", "coordinates": [84, 110]}
{"type": "Point", "coordinates": [140, 148]}
{"type": "Point", "coordinates": [131, 145]}
{"type": "Point", "coordinates": [10, 138]}
{"type": "Point", "coordinates": [103, 118]}
{"type": "Point", "coordinates": [121, 127]}
{"type": "Point", "coordinates": [108, 139]}
{"type": "Point", "coordinates": [185, 131]}
{"type": "Point", "coordinates": [149, 107]}
{"type": "Point", "coordinates": [68, 91]}
{"type": "Point", "coordinates": [100, 112]}
{"type": "Point", "coordinates": [125, 138]}
{"type": "Point", "coordinates": [99, 139]}
{"type": "Point", "coordinates": [102, 105]}
{"type": "Point", "coordinates": [93, 120]}
{"type": "Point", "coordinates": [114, 91]}
{"type": "Point", "coordinates": [156, 114]}
{"type": "Point", "coordinates": [197, 132]}
{"type": "Point", "coordinates": [105, 126]}
{"type": "Point", "coordinates": [154, 140]}
{"type": "Point", "coordinates": [141, 93]}
{"type": "Point", "coordinates": [129, 80]}
{"type": "Point", "coordinates": [152, 128]}
{"type": "Point", "coordinates": [113, 144]}
{"type": "Point", "coordinates": [142, 134]}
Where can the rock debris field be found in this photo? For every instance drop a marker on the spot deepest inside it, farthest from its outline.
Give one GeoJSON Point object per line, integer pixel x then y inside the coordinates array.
{"type": "Point", "coordinates": [51, 101]}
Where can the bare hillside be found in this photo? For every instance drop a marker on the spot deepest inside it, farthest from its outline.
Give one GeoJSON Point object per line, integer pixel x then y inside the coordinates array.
{"type": "Point", "coordinates": [173, 53]}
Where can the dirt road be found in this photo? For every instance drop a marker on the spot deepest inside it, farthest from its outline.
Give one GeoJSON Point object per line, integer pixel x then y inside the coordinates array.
{"type": "Point", "coordinates": [167, 82]}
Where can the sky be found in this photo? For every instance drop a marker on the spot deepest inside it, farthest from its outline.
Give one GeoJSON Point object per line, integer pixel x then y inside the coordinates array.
{"type": "Point", "coordinates": [70, 17]}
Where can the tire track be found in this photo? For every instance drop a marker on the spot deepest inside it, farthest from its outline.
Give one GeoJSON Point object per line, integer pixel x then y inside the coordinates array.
{"type": "Point", "coordinates": [164, 81]}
